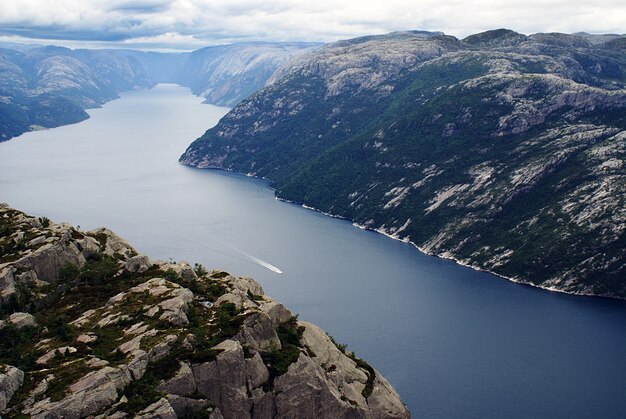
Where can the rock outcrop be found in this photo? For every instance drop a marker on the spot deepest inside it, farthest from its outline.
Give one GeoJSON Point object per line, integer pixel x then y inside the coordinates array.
{"type": "Point", "coordinates": [104, 332]}
{"type": "Point", "coordinates": [10, 381]}
{"type": "Point", "coordinates": [502, 151]}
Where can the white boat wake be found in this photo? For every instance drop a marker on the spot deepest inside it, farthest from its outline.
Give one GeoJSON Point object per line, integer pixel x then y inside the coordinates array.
{"type": "Point", "coordinates": [258, 261]}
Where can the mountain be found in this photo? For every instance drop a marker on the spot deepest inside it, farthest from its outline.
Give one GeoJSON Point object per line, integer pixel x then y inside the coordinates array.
{"type": "Point", "coordinates": [225, 75]}
{"type": "Point", "coordinates": [503, 151]}
{"type": "Point", "coordinates": [45, 87]}
{"type": "Point", "coordinates": [89, 327]}
{"type": "Point", "coordinates": [51, 86]}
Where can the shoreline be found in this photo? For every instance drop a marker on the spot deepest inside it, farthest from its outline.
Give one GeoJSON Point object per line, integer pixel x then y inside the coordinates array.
{"type": "Point", "coordinates": [450, 258]}
{"type": "Point", "coordinates": [405, 240]}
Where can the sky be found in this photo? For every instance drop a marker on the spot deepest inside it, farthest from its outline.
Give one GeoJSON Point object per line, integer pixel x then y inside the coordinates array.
{"type": "Point", "coordinates": [191, 24]}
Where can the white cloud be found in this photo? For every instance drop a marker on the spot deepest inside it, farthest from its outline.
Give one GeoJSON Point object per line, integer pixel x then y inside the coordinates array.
{"type": "Point", "coordinates": [190, 23]}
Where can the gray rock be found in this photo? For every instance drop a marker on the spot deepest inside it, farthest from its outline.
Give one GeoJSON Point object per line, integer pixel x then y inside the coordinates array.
{"type": "Point", "coordinates": [7, 282]}
{"type": "Point", "coordinates": [223, 381]}
{"type": "Point", "coordinates": [114, 243]}
{"type": "Point", "coordinates": [264, 404]}
{"type": "Point", "coordinates": [138, 264]}
{"type": "Point", "coordinates": [159, 410]}
{"type": "Point", "coordinates": [21, 320]}
{"type": "Point", "coordinates": [182, 384]}
{"type": "Point", "coordinates": [384, 402]}
{"type": "Point", "coordinates": [11, 379]}
{"type": "Point", "coordinates": [48, 259]}
{"type": "Point", "coordinates": [138, 365]}
{"type": "Point", "coordinates": [162, 349]}
{"type": "Point", "coordinates": [304, 392]}
{"type": "Point", "coordinates": [183, 405]}
{"type": "Point", "coordinates": [256, 371]}
{"type": "Point", "coordinates": [259, 333]}
{"type": "Point", "coordinates": [88, 396]}
{"type": "Point", "coordinates": [62, 351]}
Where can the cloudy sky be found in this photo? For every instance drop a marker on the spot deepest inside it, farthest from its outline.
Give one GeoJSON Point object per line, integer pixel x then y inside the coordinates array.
{"type": "Point", "coordinates": [190, 24]}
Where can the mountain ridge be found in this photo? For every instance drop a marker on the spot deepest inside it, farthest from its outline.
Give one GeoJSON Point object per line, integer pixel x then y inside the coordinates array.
{"type": "Point", "coordinates": [467, 148]}
{"type": "Point", "coordinates": [49, 86]}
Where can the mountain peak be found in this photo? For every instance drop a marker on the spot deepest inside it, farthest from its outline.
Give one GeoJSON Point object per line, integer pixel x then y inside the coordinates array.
{"type": "Point", "coordinates": [495, 38]}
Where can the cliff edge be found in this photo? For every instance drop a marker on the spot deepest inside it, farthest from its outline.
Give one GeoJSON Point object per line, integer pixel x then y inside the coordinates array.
{"type": "Point", "coordinates": [90, 328]}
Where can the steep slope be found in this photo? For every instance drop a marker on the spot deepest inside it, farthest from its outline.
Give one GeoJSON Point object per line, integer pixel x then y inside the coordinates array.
{"type": "Point", "coordinates": [503, 151]}
{"type": "Point", "coordinates": [89, 327]}
{"type": "Point", "coordinates": [226, 74]}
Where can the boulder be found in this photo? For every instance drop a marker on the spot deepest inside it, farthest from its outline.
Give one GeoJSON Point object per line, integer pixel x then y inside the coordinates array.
{"type": "Point", "coordinates": [48, 259]}
{"type": "Point", "coordinates": [184, 406]}
{"type": "Point", "coordinates": [259, 333]}
{"type": "Point", "coordinates": [21, 320]}
{"type": "Point", "coordinates": [139, 263]}
{"type": "Point", "coordinates": [277, 312]}
{"type": "Point", "coordinates": [7, 282]}
{"type": "Point", "coordinates": [11, 379]}
{"type": "Point", "coordinates": [158, 410]}
{"type": "Point", "coordinates": [114, 243]}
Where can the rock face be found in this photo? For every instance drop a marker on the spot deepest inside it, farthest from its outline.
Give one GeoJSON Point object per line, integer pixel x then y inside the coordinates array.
{"type": "Point", "coordinates": [115, 334]}
{"type": "Point", "coordinates": [501, 150]}
{"type": "Point", "coordinates": [10, 381]}
{"type": "Point", "coordinates": [227, 74]}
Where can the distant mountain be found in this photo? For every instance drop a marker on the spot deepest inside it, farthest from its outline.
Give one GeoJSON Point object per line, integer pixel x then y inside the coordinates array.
{"type": "Point", "coordinates": [51, 86]}
{"type": "Point", "coordinates": [225, 75]}
{"type": "Point", "coordinates": [504, 151]}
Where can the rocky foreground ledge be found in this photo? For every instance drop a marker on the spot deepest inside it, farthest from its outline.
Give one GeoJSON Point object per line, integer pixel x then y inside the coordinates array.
{"type": "Point", "coordinates": [92, 329]}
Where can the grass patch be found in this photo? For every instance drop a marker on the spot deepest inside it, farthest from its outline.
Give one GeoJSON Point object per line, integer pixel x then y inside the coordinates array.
{"type": "Point", "coordinates": [65, 376]}
{"type": "Point", "coordinates": [278, 361]}
{"type": "Point", "coordinates": [143, 392]}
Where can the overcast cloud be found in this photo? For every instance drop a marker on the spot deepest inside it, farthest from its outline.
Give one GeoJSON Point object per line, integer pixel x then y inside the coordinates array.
{"type": "Point", "coordinates": [190, 24]}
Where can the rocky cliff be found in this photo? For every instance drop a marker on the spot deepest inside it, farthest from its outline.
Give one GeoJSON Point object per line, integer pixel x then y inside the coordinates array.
{"type": "Point", "coordinates": [503, 151]}
{"type": "Point", "coordinates": [92, 329]}
{"type": "Point", "coordinates": [227, 74]}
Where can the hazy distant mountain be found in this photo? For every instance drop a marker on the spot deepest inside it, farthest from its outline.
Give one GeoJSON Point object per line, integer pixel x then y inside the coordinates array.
{"type": "Point", "coordinates": [225, 75]}
{"type": "Point", "coordinates": [502, 150]}
{"type": "Point", "coordinates": [50, 86]}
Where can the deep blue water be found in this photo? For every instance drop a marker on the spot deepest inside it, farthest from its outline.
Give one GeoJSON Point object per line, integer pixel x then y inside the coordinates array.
{"type": "Point", "coordinates": [454, 342]}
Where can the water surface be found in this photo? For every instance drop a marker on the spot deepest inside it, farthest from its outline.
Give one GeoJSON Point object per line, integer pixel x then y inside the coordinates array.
{"type": "Point", "coordinates": [454, 342]}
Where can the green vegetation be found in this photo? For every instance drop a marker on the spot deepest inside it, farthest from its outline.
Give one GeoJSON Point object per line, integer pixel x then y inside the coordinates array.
{"type": "Point", "coordinates": [143, 392]}
{"type": "Point", "coordinates": [278, 361]}
{"type": "Point", "coordinates": [371, 374]}
{"type": "Point", "coordinates": [445, 122]}
{"type": "Point", "coordinates": [64, 377]}
{"type": "Point", "coordinates": [17, 346]}
{"type": "Point", "coordinates": [89, 312]}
